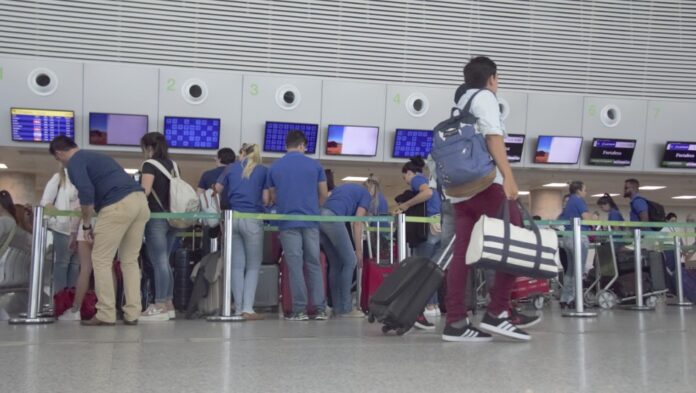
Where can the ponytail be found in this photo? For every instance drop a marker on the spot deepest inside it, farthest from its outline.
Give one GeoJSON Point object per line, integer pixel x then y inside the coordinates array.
{"type": "Point", "coordinates": [415, 165]}
{"type": "Point", "coordinates": [606, 199]}
{"type": "Point", "coordinates": [252, 156]}
{"type": "Point", "coordinates": [372, 185]}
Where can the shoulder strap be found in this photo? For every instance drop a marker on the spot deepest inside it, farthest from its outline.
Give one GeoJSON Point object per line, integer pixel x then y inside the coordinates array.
{"type": "Point", "coordinates": [162, 169]}
{"type": "Point", "coordinates": [7, 242]}
{"type": "Point", "coordinates": [471, 99]}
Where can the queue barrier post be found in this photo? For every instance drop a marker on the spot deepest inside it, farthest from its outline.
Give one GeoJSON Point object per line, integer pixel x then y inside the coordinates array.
{"type": "Point", "coordinates": [401, 235]}
{"type": "Point", "coordinates": [678, 269]}
{"type": "Point", "coordinates": [638, 255]}
{"type": "Point", "coordinates": [39, 234]}
{"type": "Point", "coordinates": [578, 264]}
{"type": "Point", "coordinates": [226, 310]}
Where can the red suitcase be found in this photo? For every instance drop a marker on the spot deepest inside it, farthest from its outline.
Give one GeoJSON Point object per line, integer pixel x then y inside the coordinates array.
{"type": "Point", "coordinates": [284, 286]}
{"type": "Point", "coordinates": [373, 275]}
{"type": "Point", "coordinates": [530, 289]}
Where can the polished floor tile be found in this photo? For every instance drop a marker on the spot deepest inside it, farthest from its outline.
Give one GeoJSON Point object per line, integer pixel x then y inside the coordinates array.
{"type": "Point", "coordinates": [619, 351]}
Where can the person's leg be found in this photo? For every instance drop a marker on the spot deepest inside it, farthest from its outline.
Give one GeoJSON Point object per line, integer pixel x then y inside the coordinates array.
{"type": "Point", "coordinates": [291, 239]}
{"type": "Point", "coordinates": [238, 265]}
{"type": "Point", "coordinates": [334, 266]}
{"type": "Point", "coordinates": [61, 261]}
{"type": "Point", "coordinates": [73, 269]}
{"type": "Point", "coordinates": [171, 243]}
{"type": "Point", "coordinates": [157, 239]}
{"type": "Point", "coordinates": [129, 251]}
{"type": "Point", "coordinates": [253, 244]}
{"type": "Point", "coordinates": [315, 275]}
{"type": "Point", "coordinates": [84, 251]}
{"type": "Point", "coordinates": [458, 270]}
{"type": "Point", "coordinates": [504, 282]}
{"type": "Point", "coordinates": [346, 253]}
{"type": "Point", "coordinates": [568, 291]}
{"type": "Point", "coordinates": [448, 229]}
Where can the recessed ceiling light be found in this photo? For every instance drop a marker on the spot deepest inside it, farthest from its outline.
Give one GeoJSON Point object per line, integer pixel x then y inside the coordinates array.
{"type": "Point", "coordinates": [523, 193]}
{"type": "Point", "coordinates": [556, 185]}
{"type": "Point", "coordinates": [3, 166]}
{"type": "Point", "coordinates": [601, 195]}
{"type": "Point", "coordinates": [651, 188]}
{"type": "Point", "coordinates": [131, 171]}
{"type": "Point", "coordinates": [354, 178]}
{"type": "Point", "coordinates": [685, 197]}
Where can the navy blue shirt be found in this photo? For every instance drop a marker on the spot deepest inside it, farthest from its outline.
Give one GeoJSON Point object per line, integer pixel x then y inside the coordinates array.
{"type": "Point", "coordinates": [638, 205]}
{"type": "Point", "coordinates": [347, 198]}
{"type": "Point", "coordinates": [615, 215]}
{"type": "Point", "coordinates": [208, 180]}
{"type": "Point", "coordinates": [432, 206]}
{"type": "Point", "coordinates": [575, 207]}
{"type": "Point", "coordinates": [99, 180]}
{"type": "Point", "coordinates": [295, 178]}
{"type": "Point", "coordinates": [244, 194]}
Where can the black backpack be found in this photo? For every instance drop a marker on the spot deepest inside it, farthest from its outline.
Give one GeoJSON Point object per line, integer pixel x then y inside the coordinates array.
{"type": "Point", "coordinates": [656, 212]}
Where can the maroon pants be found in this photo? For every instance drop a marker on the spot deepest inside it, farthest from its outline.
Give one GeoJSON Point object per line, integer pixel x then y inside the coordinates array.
{"type": "Point", "coordinates": [488, 202]}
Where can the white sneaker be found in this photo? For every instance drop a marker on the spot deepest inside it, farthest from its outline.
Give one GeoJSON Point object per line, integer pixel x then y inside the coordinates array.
{"type": "Point", "coordinates": [70, 315]}
{"type": "Point", "coordinates": [432, 312]}
{"type": "Point", "coordinates": [172, 314]}
{"type": "Point", "coordinates": [354, 314]}
{"type": "Point", "coordinates": [154, 314]}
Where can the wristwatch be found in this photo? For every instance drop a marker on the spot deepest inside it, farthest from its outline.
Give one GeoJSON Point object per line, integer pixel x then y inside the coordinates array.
{"type": "Point", "coordinates": [86, 227]}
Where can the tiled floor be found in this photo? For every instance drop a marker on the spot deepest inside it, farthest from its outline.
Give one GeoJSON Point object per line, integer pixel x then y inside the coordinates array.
{"type": "Point", "coordinates": [620, 351]}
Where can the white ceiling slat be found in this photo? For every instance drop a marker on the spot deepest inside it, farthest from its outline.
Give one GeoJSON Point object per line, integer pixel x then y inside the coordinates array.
{"type": "Point", "coordinates": [589, 47]}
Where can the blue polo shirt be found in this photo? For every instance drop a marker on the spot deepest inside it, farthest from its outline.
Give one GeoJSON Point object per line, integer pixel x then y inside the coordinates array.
{"type": "Point", "coordinates": [638, 205]}
{"type": "Point", "coordinates": [575, 207]}
{"type": "Point", "coordinates": [295, 178]}
{"type": "Point", "coordinates": [615, 215]}
{"type": "Point", "coordinates": [244, 195]}
{"type": "Point", "coordinates": [99, 180]}
{"type": "Point", "coordinates": [347, 198]}
{"type": "Point", "coordinates": [208, 179]}
{"type": "Point", "coordinates": [383, 208]}
{"type": "Point", "coordinates": [432, 206]}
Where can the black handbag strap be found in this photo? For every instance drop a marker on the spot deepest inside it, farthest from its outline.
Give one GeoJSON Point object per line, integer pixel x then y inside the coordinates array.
{"type": "Point", "coordinates": [535, 228]}
{"type": "Point", "coordinates": [506, 232]}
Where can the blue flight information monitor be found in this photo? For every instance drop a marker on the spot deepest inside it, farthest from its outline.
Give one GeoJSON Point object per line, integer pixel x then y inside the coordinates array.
{"type": "Point", "coordinates": [412, 143]}
{"type": "Point", "coordinates": [39, 125]}
{"type": "Point", "coordinates": [274, 137]}
{"type": "Point", "coordinates": [192, 132]}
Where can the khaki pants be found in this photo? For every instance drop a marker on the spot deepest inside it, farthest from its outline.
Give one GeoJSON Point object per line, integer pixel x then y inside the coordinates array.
{"type": "Point", "coordinates": [119, 229]}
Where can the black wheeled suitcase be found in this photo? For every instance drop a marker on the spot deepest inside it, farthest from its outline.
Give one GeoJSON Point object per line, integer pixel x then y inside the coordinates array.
{"type": "Point", "coordinates": [405, 292]}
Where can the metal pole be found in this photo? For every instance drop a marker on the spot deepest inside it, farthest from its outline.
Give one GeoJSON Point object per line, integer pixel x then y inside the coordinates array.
{"type": "Point", "coordinates": [213, 244]}
{"type": "Point", "coordinates": [678, 268]}
{"type": "Point", "coordinates": [638, 255]}
{"type": "Point", "coordinates": [391, 242]}
{"type": "Point", "coordinates": [226, 311]}
{"type": "Point", "coordinates": [401, 235]}
{"type": "Point", "coordinates": [37, 261]}
{"type": "Point", "coordinates": [578, 262]}
{"type": "Point", "coordinates": [379, 235]}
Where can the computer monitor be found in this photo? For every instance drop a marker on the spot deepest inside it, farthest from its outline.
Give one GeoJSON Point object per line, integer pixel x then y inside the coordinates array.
{"type": "Point", "coordinates": [557, 149]}
{"type": "Point", "coordinates": [410, 143]}
{"type": "Point", "coordinates": [275, 133]}
{"type": "Point", "coordinates": [514, 143]}
{"type": "Point", "coordinates": [679, 155]}
{"type": "Point", "coordinates": [192, 132]}
{"type": "Point", "coordinates": [41, 125]}
{"type": "Point", "coordinates": [352, 140]}
{"type": "Point", "coordinates": [612, 152]}
{"type": "Point", "coordinates": [116, 129]}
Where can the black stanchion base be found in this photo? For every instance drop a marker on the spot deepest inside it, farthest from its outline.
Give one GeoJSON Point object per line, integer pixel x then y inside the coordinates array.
{"type": "Point", "coordinates": [680, 304]}
{"type": "Point", "coordinates": [220, 318]}
{"type": "Point", "coordinates": [31, 321]}
{"type": "Point", "coordinates": [638, 308]}
{"type": "Point", "coordinates": [42, 314]}
{"type": "Point", "coordinates": [577, 314]}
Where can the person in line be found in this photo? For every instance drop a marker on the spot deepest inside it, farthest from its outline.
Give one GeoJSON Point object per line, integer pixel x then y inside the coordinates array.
{"type": "Point", "coordinates": [575, 208]}
{"type": "Point", "coordinates": [413, 175]}
{"type": "Point", "coordinates": [639, 205]}
{"type": "Point", "coordinates": [245, 184]}
{"type": "Point", "coordinates": [297, 185]}
{"type": "Point", "coordinates": [159, 235]}
{"type": "Point", "coordinates": [11, 232]}
{"type": "Point", "coordinates": [224, 157]}
{"type": "Point", "coordinates": [105, 187]}
{"type": "Point", "coordinates": [480, 76]}
{"type": "Point", "coordinates": [346, 200]}
{"type": "Point", "coordinates": [606, 204]}
{"type": "Point", "coordinates": [60, 194]}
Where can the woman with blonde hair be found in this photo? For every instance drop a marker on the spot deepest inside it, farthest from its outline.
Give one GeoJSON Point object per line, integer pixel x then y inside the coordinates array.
{"type": "Point", "coordinates": [247, 190]}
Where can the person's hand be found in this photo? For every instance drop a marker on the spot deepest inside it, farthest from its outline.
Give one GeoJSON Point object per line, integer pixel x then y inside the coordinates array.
{"type": "Point", "coordinates": [510, 188]}
{"type": "Point", "coordinates": [359, 259]}
{"type": "Point", "coordinates": [89, 235]}
{"type": "Point", "coordinates": [401, 208]}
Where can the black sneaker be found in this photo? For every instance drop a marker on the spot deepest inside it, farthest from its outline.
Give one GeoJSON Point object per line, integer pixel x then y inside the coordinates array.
{"type": "Point", "coordinates": [300, 316]}
{"type": "Point", "coordinates": [503, 326]}
{"type": "Point", "coordinates": [466, 334]}
{"type": "Point", "coordinates": [423, 324]}
{"type": "Point", "coordinates": [522, 320]}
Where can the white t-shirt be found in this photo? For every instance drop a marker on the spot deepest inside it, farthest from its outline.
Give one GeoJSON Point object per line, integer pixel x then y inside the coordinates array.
{"type": "Point", "coordinates": [486, 108]}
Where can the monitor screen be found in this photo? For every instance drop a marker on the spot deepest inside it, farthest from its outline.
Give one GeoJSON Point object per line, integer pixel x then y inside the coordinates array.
{"type": "Point", "coordinates": [274, 137]}
{"type": "Point", "coordinates": [557, 149]}
{"type": "Point", "coordinates": [513, 145]}
{"type": "Point", "coordinates": [679, 155]}
{"type": "Point", "coordinates": [116, 129]}
{"type": "Point", "coordinates": [40, 125]}
{"type": "Point", "coordinates": [412, 143]}
{"type": "Point", "coordinates": [612, 152]}
{"type": "Point", "coordinates": [352, 140]}
{"type": "Point", "coordinates": [192, 132]}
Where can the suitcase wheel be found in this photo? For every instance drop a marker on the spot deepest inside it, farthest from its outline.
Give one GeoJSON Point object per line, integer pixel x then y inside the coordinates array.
{"type": "Point", "coordinates": [386, 329]}
{"type": "Point", "coordinates": [539, 302]}
{"type": "Point", "coordinates": [401, 331]}
{"type": "Point", "coordinates": [371, 318]}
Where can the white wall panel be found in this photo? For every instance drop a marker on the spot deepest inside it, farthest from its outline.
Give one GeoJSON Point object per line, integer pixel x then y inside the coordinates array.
{"type": "Point", "coordinates": [15, 92]}
{"type": "Point", "coordinates": [516, 117]}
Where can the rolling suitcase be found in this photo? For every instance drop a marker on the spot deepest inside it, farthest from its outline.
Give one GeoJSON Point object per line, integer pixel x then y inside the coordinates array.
{"type": "Point", "coordinates": [284, 286]}
{"type": "Point", "coordinates": [267, 288]}
{"type": "Point", "coordinates": [373, 273]}
{"type": "Point", "coordinates": [404, 293]}
{"type": "Point", "coordinates": [656, 266]}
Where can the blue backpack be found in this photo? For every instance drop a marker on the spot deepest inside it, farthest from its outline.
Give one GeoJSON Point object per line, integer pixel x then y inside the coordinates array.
{"type": "Point", "coordinates": [460, 153]}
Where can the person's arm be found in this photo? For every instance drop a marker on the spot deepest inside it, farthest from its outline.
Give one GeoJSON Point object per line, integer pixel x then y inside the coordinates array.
{"type": "Point", "coordinates": [271, 196]}
{"type": "Point", "coordinates": [87, 212]}
{"type": "Point", "coordinates": [217, 187]}
{"type": "Point", "coordinates": [644, 215]}
{"type": "Point", "coordinates": [358, 235]}
{"type": "Point", "coordinates": [323, 191]}
{"type": "Point", "coordinates": [266, 197]}
{"type": "Point", "coordinates": [146, 181]}
{"type": "Point", "coordinates": [586, 216]}
{"type": "Point", "coordinates": [641, 206]}
{"type": "Point", "coordinates": [496, 148]}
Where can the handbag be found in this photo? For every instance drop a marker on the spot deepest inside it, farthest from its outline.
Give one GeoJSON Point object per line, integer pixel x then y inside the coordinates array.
{"type": "Point", "coordinates": [523, 251]}
{"type": "Point", "coordinates": [210, 203]}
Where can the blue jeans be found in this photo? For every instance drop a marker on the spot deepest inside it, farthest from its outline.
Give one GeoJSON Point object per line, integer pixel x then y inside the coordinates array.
{"type": "Point", "coordinates": [428, 249]}
{"type": "Point", "coordinates": [341, 255]}
{"type": "Point", "coordinates": [568, 293]}
{"type": "Point", "coordinates": [66, 266]}
{"type": "Point", "coordinates": [301, 249]}
{"type": "Point", "coordinates": [247, 254]}
{"type": "Point", "coordinates": [159, 238]}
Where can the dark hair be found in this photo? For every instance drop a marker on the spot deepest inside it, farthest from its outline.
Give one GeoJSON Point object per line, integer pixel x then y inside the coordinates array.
{"type": "Point", "coordinates": [226, 155]}
{"type": "Point", "coordinates": [536, 218]}
{"type": "Point", "coordinates": [415, 165]}
{"type": "Point", "coordinates": [670, 216]}
{"type": "Point", "coordinates": [606, 199]}
{"type": "Point", "coordinates": [155, 141]}
{"type": "Point", "coordinates": [61, 143]}
{"type": "Point", "coordinates": [575, 186]}
{"type": "Point", "coordinates": [8, 204]}
{"type": "Point", "coordinates": [330, 184]}
{"type": "Point", "coordinates": [634, 182]}
{"type": "Point", "coordinates": [477, 72]}
{"type": "Point", "coordinates": [294, 139]}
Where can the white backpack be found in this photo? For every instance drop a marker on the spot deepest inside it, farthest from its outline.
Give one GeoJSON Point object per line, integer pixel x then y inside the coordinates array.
{"type": "Point", "coordinates": [182, 197]}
